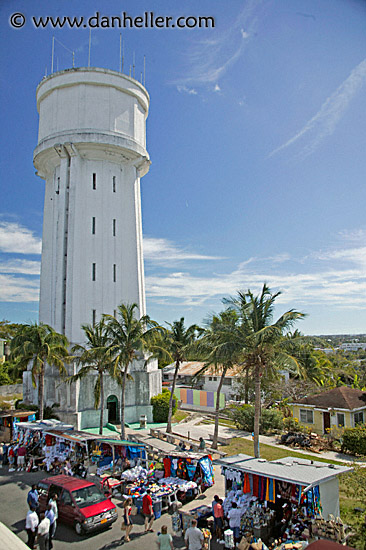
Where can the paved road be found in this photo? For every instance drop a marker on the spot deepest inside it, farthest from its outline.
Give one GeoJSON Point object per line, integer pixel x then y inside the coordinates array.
{"type": "Point", "coordinates": [14, 488]}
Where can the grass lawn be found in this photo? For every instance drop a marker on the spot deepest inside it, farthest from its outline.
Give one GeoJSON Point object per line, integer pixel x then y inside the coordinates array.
{"type": "Point", "coordinates": [352, 487]}
{"type": "Point", "coordinates": [179, 415]}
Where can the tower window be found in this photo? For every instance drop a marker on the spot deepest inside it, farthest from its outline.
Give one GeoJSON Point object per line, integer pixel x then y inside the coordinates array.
{"type": "Point", "coordinates": [114, 273]}
{"type": "Point", "coordinates": [93, 225]}
{"type": "Point", "coordinates": [94, 181]}
{"type": "Point", "coordinates": [58, 186]}
{"type": "Point", "coordinates": [114, 184]}
{"type": "Point", "coordinates": [94, 316]}
{"type": "Point", "coordinates": [114, 228]}
{"type": "Point", "coordinates": [94, 271]}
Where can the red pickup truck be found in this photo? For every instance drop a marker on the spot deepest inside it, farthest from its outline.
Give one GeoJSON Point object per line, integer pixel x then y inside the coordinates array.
{"type": "Point", "coordinates": [81, 503]}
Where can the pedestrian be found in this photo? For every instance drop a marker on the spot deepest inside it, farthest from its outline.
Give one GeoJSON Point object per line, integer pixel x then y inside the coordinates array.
{"type": "Point", "coordinates": [147, 510]}
{"type": "Point", "coordinates": [11, 458]}
{"type": "Point", "coordinates": [43, 532]}
{"type": "Point", "coordinates": [234, 516]}
{"type": "Point", "coordinates": [219, 518]}
{"type": "Point", "coordinates": [5, 454]}
{"type": "Point", "coordinates": [194, 537]}
{"type": "Point", "coordinates": [33, 498]}
{"type": "Point", "coordinates": [202, 444]}
{"type": "Point", "coordinates": [165, 541]}
{"type": "Point", "coordinates": [22, 451]}
{"type": "Point", "coordinates": [127, 520]}
{"type": "Point", "coordinates": [51, 516]}
{"type": "Point", "coordinates": [31, 525]}
{"type": "Point", "coordinates": [53, 503]}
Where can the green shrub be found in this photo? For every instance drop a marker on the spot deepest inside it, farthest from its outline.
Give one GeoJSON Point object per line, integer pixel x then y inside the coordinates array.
{"type": "Point", "coordinates": [160, 405]}
{"type": "Point", "coordinates": [4, 376]}
{"type": "Point", "coordinates": [291, 424]}
{"type": "Point", "coordinates": [243, 417]}
{"type": "Point", "coordinates": [354, 440]}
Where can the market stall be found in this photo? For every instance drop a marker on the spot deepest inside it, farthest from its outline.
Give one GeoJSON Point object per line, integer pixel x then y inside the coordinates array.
{"type": "Point", "coordinates": [9, 420]}
{"type": "Point", "coordinates": [193, 468]}
{"type": "Point", "coordinates": [282, 498]}
{"type": "Point", "coordinates": [73, 446]}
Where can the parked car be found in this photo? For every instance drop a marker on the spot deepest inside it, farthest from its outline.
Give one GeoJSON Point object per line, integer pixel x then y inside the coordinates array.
{"type": "Point", "coordinates": [81, 503]}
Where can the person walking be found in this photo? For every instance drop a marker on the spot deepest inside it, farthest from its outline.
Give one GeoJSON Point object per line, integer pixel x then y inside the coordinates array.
{"type": "Point", "coordinates": [194, 537]}
{"type": "Point", "coordinates": [127, 520]}
{"type": "Point", "coordinates": [234, 516]}
{"type": "Point", "coordinates": [33, 498]}
{"type": "Point", "coordinates": [51, 516]}
{"type": "Point", "coordinates": [147, 510]}
{"type": "Point", "coordinates": [22, 451]}
{"type": "Point", "coordinates": [31, 525]}
{"type": "Point", "coordinates": [43, 532]}
{"type": "Point", "coordinates": [165, 541]}
{"type": "Point", "coordinates": [219, 518]}
{"type": "Point", "coordinates": [53, 503]}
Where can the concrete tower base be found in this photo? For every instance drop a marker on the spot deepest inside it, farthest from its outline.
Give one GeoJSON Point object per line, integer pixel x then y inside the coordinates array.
{"type": "Point", "coordinates": [75, 400]}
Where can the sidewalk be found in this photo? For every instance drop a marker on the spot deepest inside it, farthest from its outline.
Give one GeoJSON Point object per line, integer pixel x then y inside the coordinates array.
{"type": "Point", "coordinates": [195, 430]}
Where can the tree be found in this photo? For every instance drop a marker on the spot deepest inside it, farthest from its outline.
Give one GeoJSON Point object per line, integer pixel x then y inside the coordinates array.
{"type": "Point", "coordinates": [128, 340]}
{"type": "Point", "coordinates": [219, 350]}
{"type": "Point", "coordinates": [263, 343]}
{"type": "Point", "coordinates": [95, 356]}
{"type": "Point", "coordinates": [39, 345]}
{"type": "Point", "coordinates": [176, 343]}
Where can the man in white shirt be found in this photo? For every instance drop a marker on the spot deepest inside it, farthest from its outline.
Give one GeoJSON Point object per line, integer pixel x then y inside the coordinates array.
{"type": "Point", "coordinates": [234, 516]}
{"type": "Point", "coordinates": [43, 532]}
{"type": "Point", "coordinates": [53, 503]}
{"type": "Point", "coordinates": [31, 524]}
{"type": "Point", "coordinates": [194, 537]}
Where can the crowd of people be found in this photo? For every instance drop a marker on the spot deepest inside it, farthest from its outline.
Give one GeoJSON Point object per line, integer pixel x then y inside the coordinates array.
{"type": "Point", "coordinates": [41, 527]}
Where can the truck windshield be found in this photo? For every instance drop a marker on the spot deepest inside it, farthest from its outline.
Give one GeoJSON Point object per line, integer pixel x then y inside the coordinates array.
{"type": "Point", "coordinates": [88, 496]}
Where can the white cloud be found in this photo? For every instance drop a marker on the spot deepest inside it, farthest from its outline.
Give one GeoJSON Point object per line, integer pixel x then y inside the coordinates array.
{"type": "Point", "coordinates": [25, 267]}
{"type": "Point", "coordinates": [337, 279]}
{"type": "Point", "coordinates": [189, 91]}
{"type": "Point", "coordinates": [18, 289]}
{"type": "Point", "coordinates": [217, 88]}
{"type": "Point", "coordinates": [324, 122]}
{"type": "Point", "coordinates": [17, 239]}
{"type": "Point", "coordinates": [208, 60]}
{"type": "Point", "coordinates": [162, 251]}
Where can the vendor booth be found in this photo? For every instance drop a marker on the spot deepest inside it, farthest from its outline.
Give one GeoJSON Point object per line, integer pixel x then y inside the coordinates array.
{"type": "Point", "coordinates": [74, 446]}
{"type": "Point", "coordinates": [281, 498]}
{"type": "Point", "coordinates": [8, 421]}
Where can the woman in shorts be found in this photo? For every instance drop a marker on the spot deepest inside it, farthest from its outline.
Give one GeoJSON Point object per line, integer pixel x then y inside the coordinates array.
{"type": "Point", "coordinates": [127, 507]}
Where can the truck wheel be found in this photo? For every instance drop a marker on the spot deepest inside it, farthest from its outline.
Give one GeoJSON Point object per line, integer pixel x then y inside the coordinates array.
{"type": "Point", "coordinates": [78, 528]}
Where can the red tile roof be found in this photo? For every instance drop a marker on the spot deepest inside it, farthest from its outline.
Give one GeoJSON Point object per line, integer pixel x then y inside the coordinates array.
{"type": "Point", "coordinates": [338, 398]}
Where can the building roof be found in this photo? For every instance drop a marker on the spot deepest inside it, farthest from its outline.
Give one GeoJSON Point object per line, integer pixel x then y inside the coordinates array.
{"type": "Point", "coordinates": [338, 398]}
{"type": "Point", "coordinates": [18, 413]}
{"type": "Point", "coordinates": [290, 469]}
{"type": "Point", "coordinates": [191, 368]}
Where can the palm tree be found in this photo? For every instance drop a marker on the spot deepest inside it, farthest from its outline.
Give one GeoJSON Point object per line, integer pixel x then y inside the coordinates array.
{"type": "Point", "coordinates": [176, 343]}
{"type": "Point", "coordinates": [263, 343]}
{"type": "Point", "coordinates": [95, 356]}
{"type": "Point", "coordinates": [39, 344]}
{"type": "Point", "coordinates": [220, 350]}
{"type": "Point", "coordinates": [128, 340]}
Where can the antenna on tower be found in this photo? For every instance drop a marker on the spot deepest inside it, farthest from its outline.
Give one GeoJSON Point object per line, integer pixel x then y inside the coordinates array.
{"type": "Point", "coordinates": [53, 53]}
{"type": "Point", "coordinates": [133, 65]}
{"type": "Point", "coordinates": [120, 52]}
{"type": "Point", "coordinates": [144, 68]}
{"type": "Point", "coordinates": [89, 47]}
{"type": "Point", "coordinates": [130, 72]}
{"type": "Point", "coordinates": [123, 54]}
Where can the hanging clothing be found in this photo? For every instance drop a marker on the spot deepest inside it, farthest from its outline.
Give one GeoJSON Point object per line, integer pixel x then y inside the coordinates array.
{"type": "Point", "coordinates": [167, 463]}
{"type": "Point", "coordinates": [255, 485]}
{"type": "Point", "coordinates": [207, 471]}
{"type": "Point", "coordinates": [246, 484]}
{"type": "Point", "coordinates": [263, 488]}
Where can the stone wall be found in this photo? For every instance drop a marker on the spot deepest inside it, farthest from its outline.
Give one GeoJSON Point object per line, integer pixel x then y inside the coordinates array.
{"type": "Point", "coordinates": [11, 388]}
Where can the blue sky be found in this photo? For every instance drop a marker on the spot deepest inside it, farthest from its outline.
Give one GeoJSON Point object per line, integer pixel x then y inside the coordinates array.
{"type": "Point", "coordinates": [257, 138]}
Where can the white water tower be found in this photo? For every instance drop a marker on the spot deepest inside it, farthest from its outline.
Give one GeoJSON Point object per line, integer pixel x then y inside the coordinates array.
{"type": "Point", "coordinates": [91, 153]}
